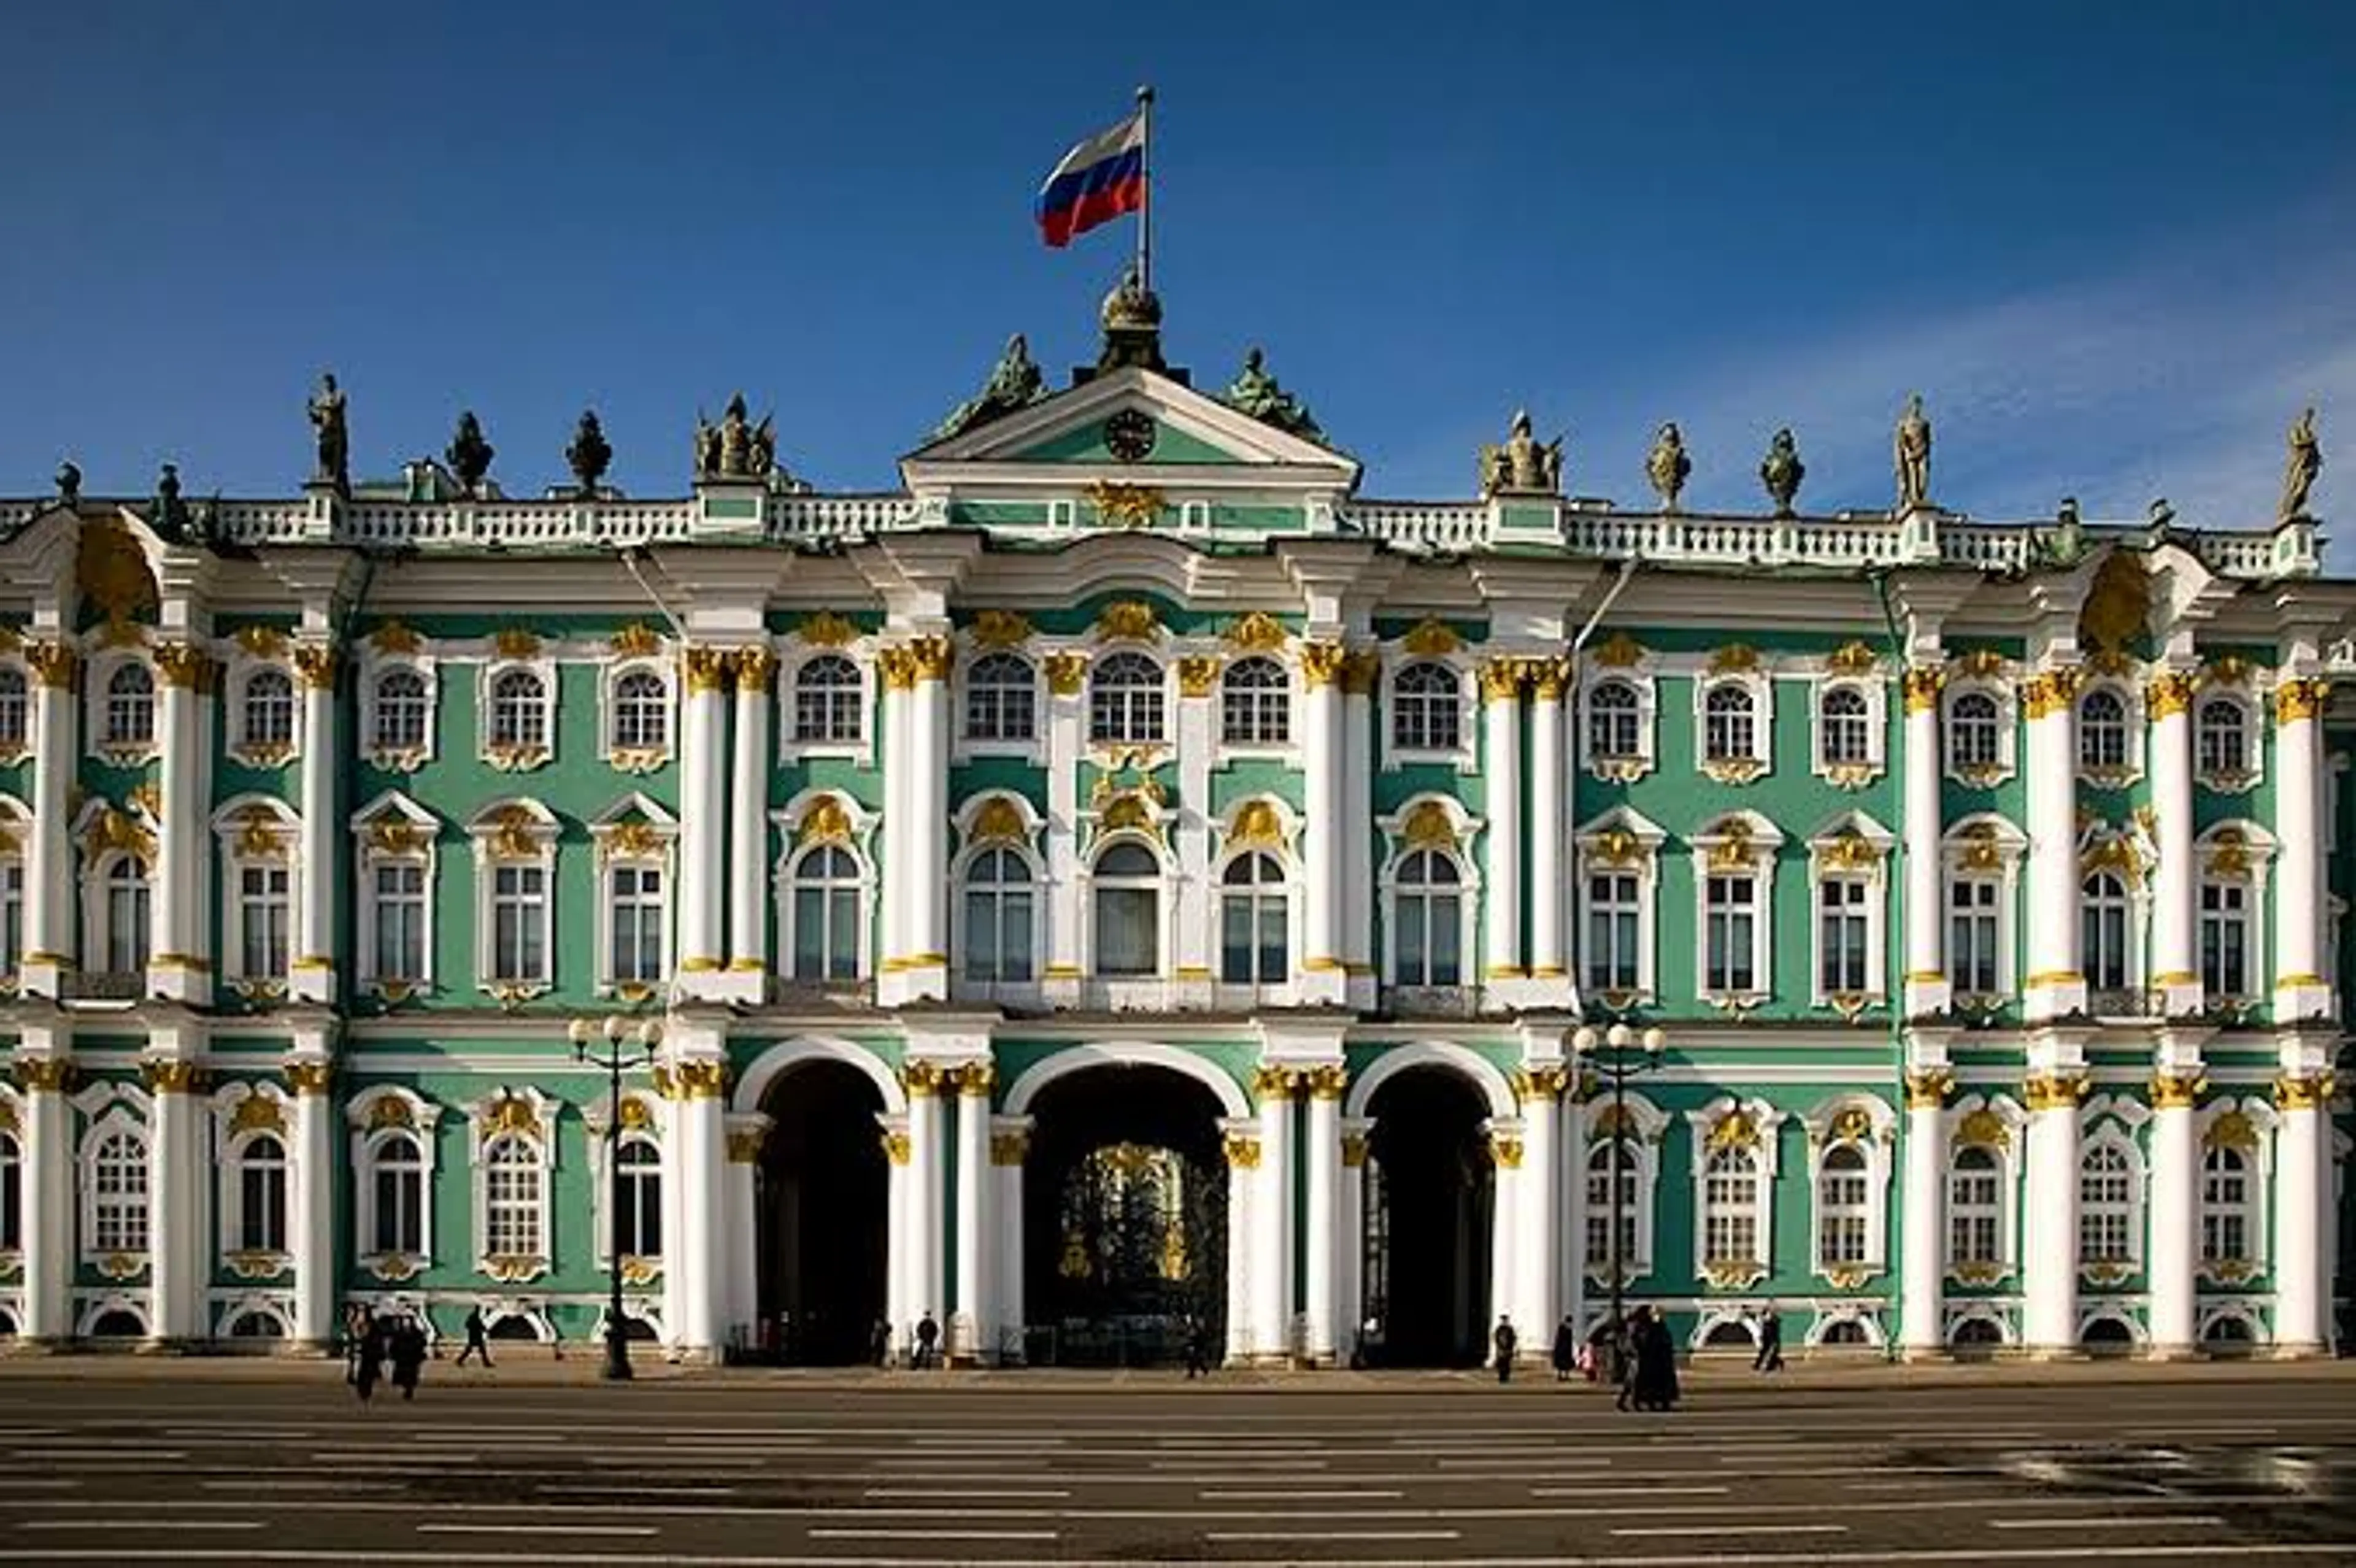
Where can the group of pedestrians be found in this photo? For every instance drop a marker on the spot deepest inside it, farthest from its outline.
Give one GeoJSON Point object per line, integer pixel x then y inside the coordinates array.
{"type": "Point", "coordinates": [1633, 1353]}
{"type": "Point", "coordinates": [375, 1343]}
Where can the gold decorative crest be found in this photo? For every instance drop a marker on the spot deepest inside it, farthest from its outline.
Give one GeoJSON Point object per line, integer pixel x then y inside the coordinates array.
{"type": "Point", "coordinates": [1067, 672]}
{"type": "Point", "coordinates": [1256, 632]}
{"type": "Point", "coordinates": [392, 637]}
{"type": "Point", "coordinates": [1736, 658]}
{"type": "Point", "coordinates": [257, 1114]}
{"type": "Point", "coordinates": [2231, 1129]}
{"type": "Point", "coordinates": [1430, 638]}
{"type": "Point", "coordinates": [636, 640]}
{"type": "Point", "coordinates": [1853, 657]}
{"type": "Point", "coordinates": [827, 821]}
{"type": "Point", "coordinates": [1001, 629]}
{"type": "Point", "coordinates": [1983, 1128]}
{"type": "Point", "coordinates": [1736, 1130]}
{"type": "Point", "coordinates": [1128, 620]}
{"type": "Point", "coordinates": [516, 643]}
{"type": "Point", "coordinates": [1123, 505]}
{"type": "Point", "coordinates": [1429, 827]}
{"type": "Point", "coordinates": [1619, 651]}
{"type": "Point", "coordinates": [826, 630]}
{"type": "Point", "coordinates": [998, 820]}
{"type": "Point", "coordinates": [1198, 675]}
{"type": "Point", "coordinates": [1257, 825]}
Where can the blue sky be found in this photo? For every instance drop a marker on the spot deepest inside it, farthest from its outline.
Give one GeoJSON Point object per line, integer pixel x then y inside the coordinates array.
{"type": "Point", "coordinates": [2112, 243]}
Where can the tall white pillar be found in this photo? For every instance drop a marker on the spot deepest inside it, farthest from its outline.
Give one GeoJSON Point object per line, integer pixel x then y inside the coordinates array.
{"type": "Point", "coordinates": [2050, 1230]}
{"type": "Point", "coordinates": [51, 904]}
{"type": "Point", "coordinates": [922, 1199]}
{"type": "Point", "coordinates": [177, 962]}
{"type": "Point", "coordinates": [1193, 941]}
{"type": "Point", "coordinates": [312, 1204]}
{"type": "Point", "coordinates": [899, 678]}
{"type": "Point", "coordinates": [48, 1217]}
{"type": "Point", "coordinates": [748, 826]}
{"type": "Point", "coordinates": [1509, 1155]}
{"type": "Point", "coordinates": [178, 1163]}
{"type": "Point", "coordinates": [2174, 1251]}
{"type": "Point", "coordinates": [1322, 1159]}
{"type": "Point", "coordinates": [1501, 772]}
{"type": "Point", "coordinates": [1549, 825]}
{"type": "Point", "coordinates": [1240, 1143]}
{"type": "Point", "coordinates": [2300, 990]}
{"type": "Point", "coordinates": [312, 971]}
{"type": "Point", "coordinates": [741, 1249]}
{"type": "Point", "coordinates": [1355, 918]}
{"type": "Point", "coordinates": [1271, 1227]}
{"type": "Point", "coordinates": [1538, 1241]}
{"type": "Point", "coordinates": [900, 1248]}
{"type": "Point", "coordinates": [699, 1127]}
{"type": "Point", "coordinates": [1570, 1185]}
{"type": "Point", "coordinates": [1067, 672]}
{"type": "Point", "coordinates": [2057, 983]}
{"type": "Point", "coordinates": [702, 862]}
{"type": "Point", "coordinates": [1010, 1146]}
{"type": "Point", "coordinates": [1921, 1307]}
{"type": "Point", "coordinates": [1927, 987]}
{"type": "Point", "coordinates": [977, 1211]}
{"type": "Point", "coordinates": [922, 834]}
{"type": "Point", "coordinates": [2303, 1213]}
{"type": "Point", "coordinates": [2175, 969]}
{"type": "Point", "coordinates": [1325, 965]}
{"type": "Point", "coordinates": [1350, 1311]}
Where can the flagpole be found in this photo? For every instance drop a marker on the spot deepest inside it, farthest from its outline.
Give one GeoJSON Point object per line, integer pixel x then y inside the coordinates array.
{"type": "Point", "coordinates": [1145, 194]}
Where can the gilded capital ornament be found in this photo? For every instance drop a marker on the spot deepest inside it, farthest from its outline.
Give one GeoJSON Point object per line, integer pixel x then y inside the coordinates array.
{"type": "Point", "coordinates": [1067, 672]}
{"type": "Point", "coordinates": [1929, 1090]}
{"type": "Point", "coordinates": [1923, 684]}
{"type": "Point", "coordinates": [2308, 1092]}
{"type": "Point", "coordinates": [2053, 1092]}
{"type": "Point", "coordinates": [1271, 1082]}
{"type": "Point", "coordinates": [1543, 1083]}
{"type": "Point", "coordinates": [2176, 1091]}
{"type": "Point", "coordinates": [317, 663]}
{"type": "Point", "coordinates": [1321, 663]}
{"type": "Point", "coordinates": [44, 1075]}
{"type": "Point", "coordinates": [705, 667]}
{"type": "Point", "coordinates": [310, 1078]}
{"type": "Point", "coordinates": [181, 664]}
{"type": "Point", "coordinates": [1501, 680]}
{"type": "Point", "coordinates": [755, 666]}
{"type": "Point", "coordinates": [1549, 677]}
{"type": "Point", "coordinates": [702, 1079]}
{"type": "Point", "coordinates": [171, 1077]}
{"type": "Point", "coordinates": [1506, 1148]}
{"type": "Point", "coordinates": [1010, 1148]}
{"type": "Point", "coordinates": [920, 1078]}
{"type": "Point", "coordinates": [1360, 673]}
{"type": "Point", "coordinates": [974, 1080]}
{"type": "Point", "coordinates": [2169, 693]}
{"type": "Point", "coordinates": [1328, 1080]}
{"type": "Point", "coordinates": [52, 663]}
{"type": "Point", "coordinates": [2297, 699]}
{"type": "Point", "coordinates": [2050, 692]}
{"type": "Point", "coordinates": [1242, 1150]}
{"type": "Point", "coordinates": [929, 658]}
{"type": "Point", "coordinates": [744, 1145]}
{"type": "Point", "coordinates": [896, 1148]}
{"type": "Point", "coordinates": [1198, 675]}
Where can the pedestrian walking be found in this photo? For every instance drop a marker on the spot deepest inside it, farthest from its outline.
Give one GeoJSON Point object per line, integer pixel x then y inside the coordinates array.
{"type": "Point", "coordinates": [1504, 1340]}
{"type": "Point", "coordinates": [1565, 1349]}
{"type": "Point", "coordinates": [879, 1344]}
{"type": "Point", "coordinates": [368, 1363]}
{"type": "Point", "coordinates": [1622, 1352]}
{"type": "Point", "coordinates": [1656, 1362]}
{"type": "Point", "coordinates": [929, 1334]}
{"type": "Point", "coordinates": [1771, 1342]}
{"type": "Point", "coordinates": [1198, 1350]}
{"type": "Point", "coordinates": [408, 1353]}
{"type": "Point", "coordinates": [478, 1336]}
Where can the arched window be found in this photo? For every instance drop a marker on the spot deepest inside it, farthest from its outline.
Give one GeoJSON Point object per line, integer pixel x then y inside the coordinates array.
{"type": "Point", "coordinates": [1255, 703]}
{"type": "Point", "coordinates": [1974, 733]}
{"type": "Point", "coordinates": [1128, 912]}
{"type": "Point", "coordinates": [2225, 1221]}
{"type": "Point", "coordinates": [2225, 739]}
{"type": "Point", "coordinates": [2101, 731]}
{"type": "Point", "coordinates": [261, 1196]}
{"type": "Point", "coordinates": [826, 896]}
{"type": "Point", "coordinates": [1600, 1162]}
{"type": "Point", "coordinates": [826, 702]}
{"type": "Point", "coordinates": [400, 711]}
{"type": "Point", "coordinates": [1974, 1208]}
{"type": "Point", "coordinates": [1614, 713]}
{"type": "Point", "coordinates": [1428, 912]}
{"type": "Point", "coordinates": [1001, 699]}
{"type": "Point", "coordinates": [1843, 733]}
{"type": "Point", "coordinates": [1845, 1332]}
{"type": "Point", "coordinates": [511, 1197]}
{"type": "Point", "coordinates": [130, 706]}
{"type": "Point", "coordinates": [2106, 1207]}
{"type": "Point", "coordinates": [1844, 1208]}
{"type": "Point", "coordinates": [398, 1184]}
{"type": "Point", "coordinates": [1976, 1331]}
{"type": "Point", "coordinates": [269, 710]}
{"type": "Point", "coordinates": [126, 916]}
{"type": "Point", "coordinates": [256, 1326]}
{"type": "Point", "coordinates": [119, 1194]}
{"type": "Point", "coordinates": [637, 1231]}
{"type": "Point", "coordinates": [1253, 949]}
{"type": "Point", "coordinates": [1730, 719]}
{"type": "Point", "coordinates": [635, 922]}
{"type": "Point", "coordinates": [999, 911]}
{"type": "Point", "coordinates": [2225, 947]}
{"type": "Point", "coordinates": [2104, 928]}
{"type": "Point", "coordinates": [15, 711]}
{"type": "Point", "coordinates": [12, 1194]}
{"type": "Point", "coordinates": [641, 712]}
{"type": "Point", "coordinates": [518, 711]}
{"type": "Point", "coordinates": [1125, 697]}
{"type": "Point", "coordinates": [1427, 709]}
{"type": "Point", "coordinates": [1730, 1196]}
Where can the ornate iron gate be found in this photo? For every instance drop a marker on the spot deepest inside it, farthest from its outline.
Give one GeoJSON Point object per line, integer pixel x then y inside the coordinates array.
{"type": "Point", "coordinates": [1141, 1257]}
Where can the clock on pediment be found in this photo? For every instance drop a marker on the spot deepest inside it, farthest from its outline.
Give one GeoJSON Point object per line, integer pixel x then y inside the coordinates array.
{"type": "Point", "coordinates": [1128, 435]}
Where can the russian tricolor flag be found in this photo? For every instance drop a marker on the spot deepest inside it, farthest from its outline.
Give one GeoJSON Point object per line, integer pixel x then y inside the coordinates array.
{"type": "Point", "coordinates": [1099, 180]}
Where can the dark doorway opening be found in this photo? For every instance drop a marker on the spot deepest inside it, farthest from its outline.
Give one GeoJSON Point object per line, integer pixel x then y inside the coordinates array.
{"type": "Point", "coordinates": [824, 1216]}
{"type": "Point", "coordinates": [1431, 1189]}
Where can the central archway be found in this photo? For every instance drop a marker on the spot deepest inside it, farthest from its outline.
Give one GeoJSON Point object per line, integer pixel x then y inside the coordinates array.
{"type": "Point", "coordinates": [824, 1214]}
{"type": "Point", "coordinates": [1430, 1193]}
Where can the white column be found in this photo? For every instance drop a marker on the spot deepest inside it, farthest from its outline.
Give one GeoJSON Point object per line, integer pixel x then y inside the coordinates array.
{"type": "Point", "coordinates": [741, 1249]}
{"type": "Point", "coordinates": [2300, 990]}
{"type": "Point", "coordinates": [923, 1196]}
{"type": "Point", "coordinates": [1570, 1184]}
{"type": "Point", "coordinates": [976, 1239]}
{"type": "Point", "coordinates": [2056, 984]}
{"type": "Point", "coordinates": [1239, 1142]}
{"type": "Point", "coordinates": [748, 826]}
{"type": "Point", "coordinates": [921, 836]}
{"type": "Point", "coordinates": [1350, 1311]}
{"type": "Point", "coordinates": [1192, 938]}
{"type": "Point", "coordinates": [1921, 1307]}
{"type": "Point", "coordinates": [2303, 1212]}
{"type": "Point", "coordinates": [900, 1282]}
{"type": "Point", "coordinates": [1009, 1144]}
{"type": "Point", "coordinates": [892, 926]}
{"type": "Point", "coordinates": [702, 862]}
{"type": "Point", "coordinates": [313, 971]}
{"type": "Point", "coordinates": [1510, 1156]}
{"type": "Point", "coordinates": [1272, 1217]}
{"type": "Point", "coordinates": [1539, 1213]}
{"type": "Point", "coordinates": [1324, 965]}
{"type": "Point", "coordinates": [1355, 918]}
{"type": "Point", "coordinates": [2175, 1220]}
{"type": "Point", "coordinates": [50, 908]}
{"type": "Point", "coordinates": [1925, 920]}
{"type": "Point", "coordinates": [49, 1217]}
{"type": "Point", "coordinates": [174, 957]}
{"type": "Point", "coordinates": [312, 1204]}
{"type": "Point", "coordinates": [1067, 675]}
{"type": "Point", "coordinates": [1549, 823]}
{"type": "Point", "coordinates": [1501, 771]}
{"type": "Point", "coordinates": [1323, 1161]}
{"type": "Point", "coordinates": [699, 1124]}
{"type": "Point", "coordinates": [2050, 1224]}
{"type": "Point", "coordinates": [179, 1163]}
{"type": "Point", "coordinates": [2174, 973]}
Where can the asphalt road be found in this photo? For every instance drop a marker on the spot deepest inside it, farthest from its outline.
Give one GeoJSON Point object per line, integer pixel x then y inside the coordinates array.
{"type": "Point", "coordinates": [159, 1469]}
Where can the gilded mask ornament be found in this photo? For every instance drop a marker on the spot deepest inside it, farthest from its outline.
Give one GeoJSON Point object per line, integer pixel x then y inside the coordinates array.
{"type": "Point", "coordinates": [1852, 658]}
{"type": "Point", "coordinates": [1322, 662]}
{"type": "Point", "coordinates": [1619, 651]}
{"type": "Point", "coordinates": [1983, 1128]}
{"type": "Point", "coordinates": [1256, 632]}
{"type": "Point", "coordinates": [1431, 638]}
{"type": "Point", "coordinates": [1736, 1130]}
{"type": "Point", "coordinates": [515, 643]}
{"type": "Point", "coordinates": [1736, 658]}
{"type": "Point", "coordinates": [1257, 825]}
{"type": "Point", "coordinates": [636, 640]}
{"type": "Point", "coordinates": [999, 820]}
{"type": "Point", "coordinates": [1429, 827]}
{"type": "Point", "coordinates": [1001, 629]}
{"type": "Point", "coordinates": [392, 637]}
{"type": "Point", "coordinates": [826, 630]}
{"type": "Point", "coordinates": [514, 835]}
{"type": "Point", "coordinates": [257, 1114]}
{"type": "Point", "coordinates": [1120, 505]}
{"type": "Point", "coordinates": [1128, 620]}
{"type": "Point", "coordinates": [826, 822]}
{"type": "Point", "coordinates": [1198, 675]}
{"type": "Point", "coordinates": [1067, 672]}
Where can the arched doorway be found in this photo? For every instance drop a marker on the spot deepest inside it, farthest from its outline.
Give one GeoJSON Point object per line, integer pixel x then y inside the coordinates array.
{"type": "Point", "coordinates": [1431, 1190]}
{"type": "Point", "coordinates": [824, 1201]}
{"type": "Point", "coordinates": [1125, 1219]}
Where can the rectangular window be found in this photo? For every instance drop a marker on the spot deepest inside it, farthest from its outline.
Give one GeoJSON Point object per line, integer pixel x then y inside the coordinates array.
{"type": "Point", "coordinates": [511, 1201]}
{"type": "Point", "coordinates": [11, 915]}
{"type": "Point", "coordinates": [400, 916]}
{"type": "Point", "coordinates": [1972, 925]}
{"type": "Point", "coordinates": [1599, 1215]}
{"type": "Point", "coordinates": [2225, 939]}
{"type": "Point", "coordinates": [261, 1207]}
{"type": "Point", "coordinates": [1729, 964]}
{"type": "Point", "coordinates": [1612, 913]}
{"type": "Point", "coordinates": [1841, 933]}
{"type": "Point", "coordinates": [261, 919]}
{"type": "Point", "coordinates": [518, 923]}
{"type": "Point", "coordinates": [1127, 941]}
{"type": "Point", "coordinates": [636, 921]}
{"type": "Point", "coordinates": [400, 1211]}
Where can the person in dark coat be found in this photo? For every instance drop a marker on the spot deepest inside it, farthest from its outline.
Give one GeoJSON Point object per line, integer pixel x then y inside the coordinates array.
{"type": "Point", "coordinates": [1505, 1342]}
{"type": "Point", "coordinates": [408, 1353]}
{"type": "Point", "coordinates": [929, 1334]}
{"type": "Point", "coordinates": [1565, 1349]}
{"type": "Point", "coordinates": [1656, 1364]}
{"type": "Point", "coordinates": [369, 1366]}
{"type": "Point", "coordinates": [879, 1343]}
{"type": "Point", "coordinates": [1198, 1350]}
{"type": "Point", "coordinates": [478, 1336]}
{"type": "Point", "coordinates": [1624, 1335]}
{"type": "Point", "coordinates": [1771, 1342]}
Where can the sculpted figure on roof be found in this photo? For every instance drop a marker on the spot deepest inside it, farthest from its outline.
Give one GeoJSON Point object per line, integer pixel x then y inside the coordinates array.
{"type": "Point", "coordinates": [735, 448]}
{"type": "Point", "coordinates": [1521, 462]}
{"type": "Point", "coordinates": [1910, 445]}
{"type": "Point", "coordinates": [2300, 465]}
{"type": "Point", "coordinates": [1254, 391]}
{"type": "Point", "coordinates": [1015, 382]}
{"type": "Point", "coordinates": [326, 412]}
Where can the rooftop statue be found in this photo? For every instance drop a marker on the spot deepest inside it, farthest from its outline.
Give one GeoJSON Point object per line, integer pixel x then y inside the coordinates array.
{"type": "Point", "coordinates": [2159, 524]}
{"type": "Point", "coordinates": [2063, 545]}
{"type": "Point", "coordinates": [589, 456]}
{"type": "Point", "coordinates": [326, 411]}
{"type": "Point", "coordinates": [1522, 463]}
{"type": "Point", "coordinates": [1782, 471]}
{"type": "Point", "coordinates": [1254, 391]}
{"type": "Point", "coordinates": [169, 515]}
{"type": "Point", "coordinates": [469, 454]}
{"type": "Point", "coordinates": [69, 483]}
{"type": "Point", "coordinates": [2303, 463]}
{"type": "Point", "coordinates": [1668, 467]}
{"type": "Point", "coordinates": [1910, 445]}
{"type": "Point", "coordinates": [735, 448]}
{"type": "Point", "coordinates": [1014, 383]}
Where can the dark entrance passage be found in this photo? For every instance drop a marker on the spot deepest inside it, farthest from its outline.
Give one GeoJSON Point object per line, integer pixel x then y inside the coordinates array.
{"type": "Point", "coordinates": [1125, 1220]}
{"type": "Point", "coordinates": [1431, 1189]}
{"type": "Point", "coordinates": [824, 1216]}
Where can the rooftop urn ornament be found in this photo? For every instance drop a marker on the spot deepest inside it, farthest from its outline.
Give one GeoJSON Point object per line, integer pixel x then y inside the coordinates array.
{"type": "Point", "coordinates": [469, 454]}
{"type": "Point", "coordinates": [1521, 462]}
{"type": "Point", "coordinates": [69, 481]}
{"type": "Point", "coordinates": [1132, 319]}
{"type": "Point", "coordinates": [326, 411]}
{"type": "Point", "coordinates": [1910, 452]}
{"type": "Point", "coordinates": [1782, 471]}
{"type": "Point", "coordinates": [1015, 383]}
{"type": "Point", "coordinates": [2300, 465]}
{"type": "Point", "coordinates": [1668, 467]}
{"type": "Point", "coordinates": [735, 448]}
{"type": "Point", "coordinates": [589, 456]}
{"type": "Point", "coordinates": [1256, 393]}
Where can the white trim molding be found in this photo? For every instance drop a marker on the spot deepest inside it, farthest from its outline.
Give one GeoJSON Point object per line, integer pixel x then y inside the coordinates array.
{"type": "Point", "coordinates": [1748, 1131]}
{"type": "Point", "coordinates": [513, 1122]}
{"type": "Point", "coordinates": [378, 1118]}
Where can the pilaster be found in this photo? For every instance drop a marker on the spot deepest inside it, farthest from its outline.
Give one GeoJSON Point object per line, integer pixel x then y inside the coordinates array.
{"type": "Point", "coordinates": [1927, 985]}
{"type": "Point", "coordinates": [1272, 1220]}
{"type": "Point", "coordinates": [703, 676]}
{"type": "Point", "coordinates": [1324, 965]}
{"type": "Point", "coordinates": [973, 1331]}
{"type": "Point", "coordinates": [1010, 1147]}
{"type": "Point", "coordinates": [697, 1257]}
{"type": "Point", "coordinates": [748, 1133]}
{"type": "Point", "coordinates": [748, 828]}
{"type": "Point", "coordinates": [2300, 990]}
{"type": "Point", "coordinates": [1192, 941]}
{"type": "Point", "coordinates": [2056, 985]}
{"type": "Point", "coordinates": [1540, 1233]}
{"type": "Point", "coordinates": [1067, 675]}
{"type": "Point", "coordinates": [1322, 1160]}
{"type": "Point", "coordinates": [2175, 971]}
{"type": "Point", "coordinates": [1549, 978]}
{"type": "Point", "coordinates": [312, 966]}
{"type": "Point", "coordinates": [1355, 918]}
{"type": "Point", "coordinates": [1351, 1308]}
{"type": "Point", "coordinates": [921, 1198]}
{"type": "Point", "coordinates": [923, 836]}
{"type": "Point", "coordinates": [51, 907]}
{"type": "Point", "coordinates": [1239, 1145]}
{"type": "Point", "coordinates": [1502, 969]}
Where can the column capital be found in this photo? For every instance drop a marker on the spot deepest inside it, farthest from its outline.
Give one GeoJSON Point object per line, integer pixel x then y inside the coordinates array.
{"type": "Point", "coordinates": [1923, 684]}
{"type": "Point", "coordinates": [1241, 1150]}
{"type": "Point", "coordinates": [310, 1079]}
{"type": "Point", "coordinates": [2304, 1092]}
{"type": "Point", "coordinates": [1505, 1146]}
{"type": "Point", "coordinates": [972, 1079]}
{"type": "Point", "coordinates": [1322, 663]}
{"type": "Point", "coordinates": [1501, 680]}
{"type": "Point", "coordinates": [317, 663]}
{"type": "Point", "coordinates": [2177, 1091]}
{"type": "Point", "coordinates": [44, 1075]}
{"type": "Point", "coordinates": [53, 664]}
{"type": "Point", "coordinates": [922, 1078]}
{"type": "Point", "coordinates": [1009, 1147]}
{"type": "Point", "coordinates": [1549, 676]}
{"type": "Point", "coordinates": [1067, 671]}
{"type": "Point", "coordinates": [2299, 699]}
{"type": "Point", "coordinates": [702, 1079]}
{"type": "Point", "coordinates": [2169, 693]}
{"type": "Point", "coordinates": [1360, 671]}
{"type": "Point", "coordinates": [1270, 1082]}
{"type": "Point", "coordinates": [1198, 675]}
{"type": "Point", "coordinates": [172, 1077]}
{"type": "Point", "coordinates": [755, 666]}
{"type": "Point", "coordinates": [2049, 691]}
{"type": "Point", "coordinates": [745, 1144]}
{"type": "Point", "coordinates": [2054, 1091]}
{"type": "Point", "coordinates": [1541, 1081]}
{"type": "Point", "coordinates": [1327, 1081]}
{"type": "Point", "coordinates": [1928, 1090]}
{"type": "Point", "coordinates": [704, 666]}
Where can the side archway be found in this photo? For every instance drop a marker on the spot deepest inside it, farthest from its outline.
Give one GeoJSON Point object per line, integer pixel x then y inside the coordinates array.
{"type": "Point", "coordinates": [754, 1083]}
{"type": "Point", "coordinates": [1083, 1058]}
{"type": "Point", "coordinates": [1483, 1074]}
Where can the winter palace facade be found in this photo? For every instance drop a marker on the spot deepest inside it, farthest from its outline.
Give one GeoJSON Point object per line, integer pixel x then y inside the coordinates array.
{"type": "Point", "coordinates": [1124, 879]}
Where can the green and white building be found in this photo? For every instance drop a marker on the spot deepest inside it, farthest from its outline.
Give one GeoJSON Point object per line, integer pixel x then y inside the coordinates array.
{"type": "Point", "coordinates": [1126, 873]}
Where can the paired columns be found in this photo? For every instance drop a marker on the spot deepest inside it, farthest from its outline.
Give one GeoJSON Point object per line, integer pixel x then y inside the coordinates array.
{"type": "Point", "coordinates": [2301, 991]}
{"type": "Point", "coordinates": [312, 966]}
{"type": "Point", "coordinates": [915, 963]}
{"type": "Point", "coordinates": [178, 1159]}
{"type": "Point", "coordinates": [2056, 987]}
{"type": "Point", "coordinates": [702, 864]}
{"type": "Point", "coordinates": [49, 934]}
{"type": "Point", "coordinates": [1927, 986]}
{"type": "Point", "coordinates": [1525, 959]}
{"type": "Point", "coordinates": [1501, 775]}
{"type": "Point", "coordinates": [1324, 965]}
{"type": "Point", "coordinates": [696, 1260]}
{"type": "Point", "coordinates": [2175, 970]}
{"type": "Point", "coordinates": [748, 826]}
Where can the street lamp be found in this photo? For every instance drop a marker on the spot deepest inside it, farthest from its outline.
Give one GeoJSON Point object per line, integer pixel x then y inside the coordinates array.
{"type": "Point", "coordinates": [1613, 1054]}
{"type": "Point", "coordinates": [608, 1043]}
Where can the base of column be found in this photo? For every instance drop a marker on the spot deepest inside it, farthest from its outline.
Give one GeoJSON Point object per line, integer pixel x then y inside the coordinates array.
{"type": "Point", "coordinates": [306, 1349]}
{"type": "Point", "coordinates": [1362, 992]}
{"type": "Point", "coordinates": [1522, 993]}
{"type": "Point", "coordinates": [2294, 1002]}
{"type": "Point", "coordinates": [1924, 1355]}
{"type": "Point", "coordinates": [2054, 1353]}
{"type": "Point", "coordinates": [175, 1344]}
{"type": "Point", "coordinates": [748, 987]}
{"type": "Point", "coordinates": [701, 985]}
{"type": "Point", "coordinates": [912, 981]}
{"type": "Point", "coordinates": [2056, 1000]}
{"type": "Point", "coordinates": [1926, 997]}
{"type": "Point", "coordinates": [179, 983]}
{"type": "Point", "coordinates": [2299, 1350]}
{"type": "Point", "coordinates": [41, 978]}
{"type": "Point", "coordinates": [312, 983]}
{"type": "Point", "coordinates": [2185, 1352]}
{"type": "Point", "coordinates": [1322, 987]}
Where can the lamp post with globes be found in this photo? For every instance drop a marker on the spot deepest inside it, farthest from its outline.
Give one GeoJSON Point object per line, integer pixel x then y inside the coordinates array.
{"type": "Point", "coordinates": [619, 1046]}
{"type": "Point", "coordinates": [1619, 1053]}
